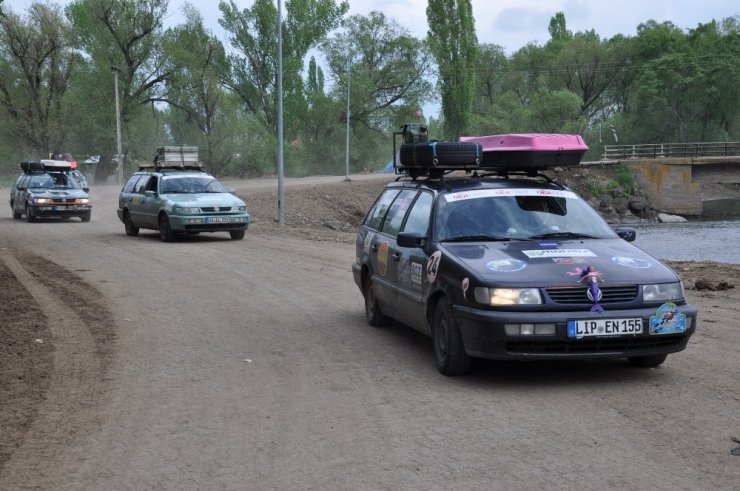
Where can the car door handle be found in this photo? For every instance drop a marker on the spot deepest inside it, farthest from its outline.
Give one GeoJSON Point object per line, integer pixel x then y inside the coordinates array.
{"type": "Point", "coordinates": [396, 256]}
{"type": "Point", "coordinates": [374, 247]}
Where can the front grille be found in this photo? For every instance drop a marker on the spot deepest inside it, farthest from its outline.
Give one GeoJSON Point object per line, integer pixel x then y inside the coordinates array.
{"type": "Point", "coordinates": [600, 345]}
{"type": "Point", "coordinates": [212, 209]}
{"type": "Point", "coordinates": [64, 201]}
{"type": "Point", "coordinates": [577, 295]}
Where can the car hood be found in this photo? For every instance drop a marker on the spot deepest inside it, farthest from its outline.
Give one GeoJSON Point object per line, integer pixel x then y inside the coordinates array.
{"type": "Point", "coordinates": [201, 200]}
{"type": "Point", "coordinates": [557, 263]}
{"type": "Point", "coordinates": [58, 193]}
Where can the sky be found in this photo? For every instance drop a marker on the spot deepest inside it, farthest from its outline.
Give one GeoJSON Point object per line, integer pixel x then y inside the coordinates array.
{"type": "Point", "coordinates": [509, 23]}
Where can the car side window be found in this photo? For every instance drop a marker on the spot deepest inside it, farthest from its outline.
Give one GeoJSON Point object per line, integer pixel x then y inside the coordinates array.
{"type": "Point", "coordinates": [23, 182]}
{"type": "Point", "coordinates": [141, 185]}
{"type": "Point", "coordinates": [418, 219]}
{"type": "Point", "coordinates": [152, 185]}
{"type": "Point", "coordinates": [377, 212]}
{"type": "Point", "coordinates": [397, 212]}
{"type": "Point", "coordinates": [129, 187]}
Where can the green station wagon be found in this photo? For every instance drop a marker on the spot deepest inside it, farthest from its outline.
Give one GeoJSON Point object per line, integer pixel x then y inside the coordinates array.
{"type": "Point", "coordinates": [180, 200]}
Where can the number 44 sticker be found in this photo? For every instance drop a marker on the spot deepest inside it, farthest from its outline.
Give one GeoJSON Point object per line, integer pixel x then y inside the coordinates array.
{"type": "Point", "coordinates": [433, 266]}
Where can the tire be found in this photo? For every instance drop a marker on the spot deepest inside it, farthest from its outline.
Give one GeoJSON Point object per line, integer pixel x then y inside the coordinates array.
{"type": "Point", "coordinates": [447, 154]}
{"type": "Point", "coordinates": [651, 361]}
{"type": "Point", "coordinates": [128, 224]}
{"type": "Point", "coordinates": [29, 217]}
{"type": "Point", "coordinates": [449, 349]}
{"type": "Point", "coordinates": [406, 154]}
{"type": "Point", "coordinates": [165, 231]}
{"type": "Point", "coordinates": [237, 234]}
{"type": "Point", "coordinates": [375, 317]}
{"type": "Point", "coordinates": [85, 217]}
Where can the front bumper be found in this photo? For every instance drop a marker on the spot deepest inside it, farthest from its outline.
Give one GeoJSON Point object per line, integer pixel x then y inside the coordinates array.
{"type": "Point", "coordinates": [57, 211]}
{"type": "Point", "coordinates": [484, 335]}
{"type": "Point", "coordinates": [210, 223]}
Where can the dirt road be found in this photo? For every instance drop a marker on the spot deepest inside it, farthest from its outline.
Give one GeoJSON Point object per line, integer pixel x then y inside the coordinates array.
{"type": "Point", "coordinates": [216, 364]}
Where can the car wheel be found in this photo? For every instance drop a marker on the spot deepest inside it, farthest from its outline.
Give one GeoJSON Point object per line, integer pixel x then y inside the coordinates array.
{"type": "Point", "coordinates": [16, 215]}
{"type": "Point", "coordinates": [165, 232]}
{"type": "Point", "coordinates": [647, 361]}
{"type": "Point", "coordinates": [29, 216]}
{"type": "Point", "coordinates": [449, 349]}
{"type": "Point", "coordinates": [128, 224]}
{"type": "Point", "coordinates": [85, 217]}
{"type": "Point", "coordinates": [375, 317]}
{"type": "Point", "coordinates": [238, 234]}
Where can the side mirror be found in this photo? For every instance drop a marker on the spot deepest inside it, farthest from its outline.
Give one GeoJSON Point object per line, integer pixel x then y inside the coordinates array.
{"type": "Point", "coordinates": [627, 233]}
{"type": "Point", "coordinates": [232, 191]}
{"type": "Point", "coordinates": [149, 193]}
{"type": "Point", "coordinates": [86, 189]}
{"type": "Point", "coordinates": [410, 239]}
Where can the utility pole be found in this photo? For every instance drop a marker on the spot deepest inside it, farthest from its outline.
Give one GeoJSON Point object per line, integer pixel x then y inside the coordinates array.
{"type": "Point", "coordinates": [346, 155]}
{"type": "Point", "coordinates": [281, 184]}
{"type": "Point", "coordinates": [119, 158]}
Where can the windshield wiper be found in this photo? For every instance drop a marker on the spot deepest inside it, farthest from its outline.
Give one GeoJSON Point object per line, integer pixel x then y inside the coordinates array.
{"type": "Point", "coordinates": [563, 235]}
{"type": "Point", "coordinates": [474, 238]}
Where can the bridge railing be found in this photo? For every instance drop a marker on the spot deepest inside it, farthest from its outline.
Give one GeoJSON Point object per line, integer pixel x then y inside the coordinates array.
{"type": "Point", "coordinates": [678, 150]}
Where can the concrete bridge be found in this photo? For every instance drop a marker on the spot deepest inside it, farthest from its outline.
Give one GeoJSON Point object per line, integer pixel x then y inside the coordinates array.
{"type": "Point", "coordinates": [692, 179]}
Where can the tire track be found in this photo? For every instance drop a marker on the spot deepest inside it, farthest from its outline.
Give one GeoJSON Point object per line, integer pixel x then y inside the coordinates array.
{"type": "Point", "coordinates": [82, 338]}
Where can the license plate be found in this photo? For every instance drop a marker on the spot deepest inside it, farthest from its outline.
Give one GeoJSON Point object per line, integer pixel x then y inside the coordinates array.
{"type": "Point", "coordinates": [604, 327]}
{"type": "Point", "coordinates": [221, 220]}
{"type": "Point", "coordinates": [61, 208]}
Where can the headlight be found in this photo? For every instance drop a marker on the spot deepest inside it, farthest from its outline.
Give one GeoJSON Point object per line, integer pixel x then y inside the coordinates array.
{"type": "Point", "coordinates": [185, 211]}
{"type": "Point", "coordinates": [240, 209]}
{"type": "Point", "coordinates": [507, 296]}
{"type": "Point", "coordinates": [662, 291]}
{"type": "Point", "coordinates": [42, 201]}
{"type": "Point", "coordinates": [83, 201]}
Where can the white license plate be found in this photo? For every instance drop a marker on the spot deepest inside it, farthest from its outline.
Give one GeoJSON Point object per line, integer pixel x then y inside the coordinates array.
{"type": "Point", "coordinates": [604, 327]}
{"type": "Point", "coordinates": [61, 208]}
{"type": "Point", "coordinates": [219, 220]}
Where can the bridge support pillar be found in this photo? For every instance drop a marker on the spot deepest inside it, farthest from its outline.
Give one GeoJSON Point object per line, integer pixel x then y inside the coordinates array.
{"type": "Point", "coordinates": [669, 185]}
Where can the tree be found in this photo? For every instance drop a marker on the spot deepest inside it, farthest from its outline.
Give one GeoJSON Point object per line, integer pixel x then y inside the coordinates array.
{"type": "Point", "coordinates": [126, 34]}
{"type": "Point", "coordinates": [253, 75]}
{"type": "Point", "coordinates": [198, 101]}
{"type": "Point", "coordinates": [453, 43]}
{"type": "Point", "coordinates": [35, 69]}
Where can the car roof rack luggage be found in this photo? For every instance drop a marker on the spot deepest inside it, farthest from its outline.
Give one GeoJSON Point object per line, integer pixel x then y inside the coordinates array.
{"type": "Point", "coordinates": [525, 153]}
{"type": "Point", "coordinates": [175, 157]}
{"type": "Point", "coordinates": [45, 165]}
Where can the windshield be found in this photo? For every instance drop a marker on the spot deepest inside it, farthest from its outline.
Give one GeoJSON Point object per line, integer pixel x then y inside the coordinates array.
{"type": "Point", "coordinates": [517, 214]}
{"type": "Point", "coordinates": [53, 180]}
{"type": "Point", "coordinates": [191, 184]}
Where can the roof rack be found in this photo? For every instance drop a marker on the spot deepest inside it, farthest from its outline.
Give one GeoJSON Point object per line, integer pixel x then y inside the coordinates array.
{"type": "Point", "coordinates": [175, 157]}
{"type": "Point", "coordinates": [516, 152]}
{"type": "Point", "coordinates": [45, 165]}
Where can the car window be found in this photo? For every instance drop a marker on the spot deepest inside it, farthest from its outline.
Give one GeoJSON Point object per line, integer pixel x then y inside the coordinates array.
{"type": "Point", "coordinates": [141, 185]}
{"type": "Point", "coordinates": [397, 212]}
{"type": "Point", "coordinates": [129, 187]}
{"type": "Point", "coordinates": [23, 181]}
{"type": "Point", "coordinates": [418, 219]}
{"type": "Point", "coordinates": [377, 212]}
{"type": "Point", "coordinates": [152, 184]}
{"type": "Point", "coordinates": [521, 215]}
{"type": "Point", "coordinates": [191, 184]}
{"type": "Point", "coordinates": [41, 181]}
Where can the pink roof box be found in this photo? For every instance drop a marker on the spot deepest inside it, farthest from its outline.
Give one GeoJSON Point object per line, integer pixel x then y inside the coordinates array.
{"type": "Point", "coordinates": [542, 142]}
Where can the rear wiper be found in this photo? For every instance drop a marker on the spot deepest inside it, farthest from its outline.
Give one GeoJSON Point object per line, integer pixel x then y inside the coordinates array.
{"type": "Point", "coordinates": [563, 235]}
{"type": "Point", "coordinates": [474, 238]}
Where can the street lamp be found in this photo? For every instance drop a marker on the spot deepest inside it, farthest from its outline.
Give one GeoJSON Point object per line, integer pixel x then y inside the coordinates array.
{"type": "Point", "coordinates": [119, 158]}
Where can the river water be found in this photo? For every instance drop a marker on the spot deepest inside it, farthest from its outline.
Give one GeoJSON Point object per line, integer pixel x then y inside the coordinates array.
{"type": "Point", "coordinates": [691, 241]}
